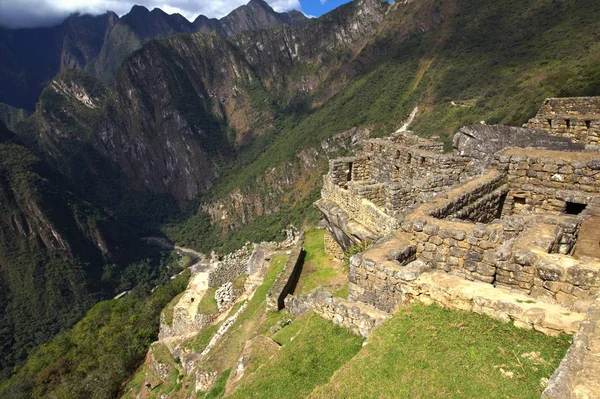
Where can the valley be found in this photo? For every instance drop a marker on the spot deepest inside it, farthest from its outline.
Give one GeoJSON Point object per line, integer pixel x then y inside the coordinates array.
{"type": "Point", "coordinates": [226, 180]}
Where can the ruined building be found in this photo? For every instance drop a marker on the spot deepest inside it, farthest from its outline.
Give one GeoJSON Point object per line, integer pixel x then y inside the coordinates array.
{"type": "Point", "coordinates": [507, 225]}
{"type": "Point", "coordinates": [577, 118]}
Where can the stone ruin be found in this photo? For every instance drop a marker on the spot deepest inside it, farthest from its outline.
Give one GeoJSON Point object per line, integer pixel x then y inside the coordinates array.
{"type": "Point", "coordinates": [506, 225]}
{"type": "Point", "coordinates": [577, 118]}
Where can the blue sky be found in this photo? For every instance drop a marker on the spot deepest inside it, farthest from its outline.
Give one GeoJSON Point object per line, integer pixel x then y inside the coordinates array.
{"type": "Point", "coordinates": [319, 7]}
{"type": "Point", "coordinates": [31, 13]}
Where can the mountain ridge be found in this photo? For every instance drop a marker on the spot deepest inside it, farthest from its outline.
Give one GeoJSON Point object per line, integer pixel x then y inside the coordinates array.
{"type": "Point", "coordinates": [100, 43]}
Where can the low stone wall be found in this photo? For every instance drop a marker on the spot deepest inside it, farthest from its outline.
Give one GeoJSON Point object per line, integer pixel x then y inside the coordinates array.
{"type": "Point", "coordinates": [356, 317]}
{"type": "Point", "coordinates": [485, 209]}
{"type": "Point", "coordinates": [577, 374]}
{"type": "Point", "coordinates": [232, 266]}
{"type": "Point", "coordinates": [332, 247]}
{"type": "Point", "coordinates": [565, 174]}
{"type": "Point", "coordinates": [286, 280]}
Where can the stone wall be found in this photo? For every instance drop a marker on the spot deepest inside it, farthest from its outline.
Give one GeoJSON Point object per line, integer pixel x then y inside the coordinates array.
{"type": "Point", "coordinates": [577, 374]}
{"type": "Point", "coordinates": [332, 248]}
{"type": "Point", "coordinates": [462, 248]}
{"type": "Point", "coordinates": [232, 266]}
{"type": "Point", "coordinates": [576, 117]}
{"type": "Point", "coordinates": [534, 265]}
{"type": "Point", "coordinates": [356, 317]}
{"type": "Point", "coordinates": [432, 171]}
{"type": "Point", "coordinates": [287, 279]}
{"type": "Point", "coordinates": [362, 210]}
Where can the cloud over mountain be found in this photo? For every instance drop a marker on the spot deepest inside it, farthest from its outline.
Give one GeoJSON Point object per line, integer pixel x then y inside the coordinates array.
{"type": "Point", "coordinates": [31, 13]}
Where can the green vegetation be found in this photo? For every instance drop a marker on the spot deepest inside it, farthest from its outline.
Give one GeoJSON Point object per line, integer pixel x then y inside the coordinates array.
{"type": "Point", "coordinates": [318, 349]}
{"type": "Point", "coordinates": [253, 321]}
{"type": "Point", "coordinates": [208, 303]}
{"type": "Point", "coordinates": [431, 352]}
{"type": "Point", "coordinates": [168, 311]}
{"type": "Point", "coordinates": [318, 269]}
{"type": "Point", "coordinates": [218, 389]}
{"type": "Point", "coordinates": [100, 352]}
{"type": "Point", "coordinates": [198, 343]}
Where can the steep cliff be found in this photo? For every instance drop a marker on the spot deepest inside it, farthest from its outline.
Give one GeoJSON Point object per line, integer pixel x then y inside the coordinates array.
{"type": "Point", "coordinates": [52, 249]}
{"type": "Point", "coordinates": [31, 57]}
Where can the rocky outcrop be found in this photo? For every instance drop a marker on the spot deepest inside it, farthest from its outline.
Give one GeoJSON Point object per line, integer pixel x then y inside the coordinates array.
{"type": "Point", "coordinates": [481, 142]}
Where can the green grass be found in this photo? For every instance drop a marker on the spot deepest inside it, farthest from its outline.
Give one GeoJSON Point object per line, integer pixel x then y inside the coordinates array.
{"type": "Point", "coordinates": [208, 303]}
{"type": "Point", "coordinates": [168, 311]}
{"type": "Point", "coordinates": [253, 321]}
{"type": "Point", "coordinates": [219, 388]}
{"type": "Point", "coordinates": [319, 269]}
{"type": "Point", "coordinates": [431, 352]}
{"type": "Point", "coordinates": [342, 292]}
{"type": "Point", "coordinates": [203, 338]}
{"type": "Point", "coordinates": [318, 349]}
{"type": "Point", "coordinates": [238, 283]}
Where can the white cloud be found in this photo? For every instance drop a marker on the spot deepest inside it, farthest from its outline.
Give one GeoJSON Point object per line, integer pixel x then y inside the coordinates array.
{"type": "Point", "coordinates": [27, 13]}
{"type": "Point", "coordinates": [323, 2]}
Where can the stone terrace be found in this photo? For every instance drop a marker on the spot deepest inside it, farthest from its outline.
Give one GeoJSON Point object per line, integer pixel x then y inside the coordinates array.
{"type": "Point", "coordinates": [506, 226]}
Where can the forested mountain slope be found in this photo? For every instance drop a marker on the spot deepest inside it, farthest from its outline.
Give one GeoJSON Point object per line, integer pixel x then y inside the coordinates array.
{"type": "Point", "coordinates": [54, 248]}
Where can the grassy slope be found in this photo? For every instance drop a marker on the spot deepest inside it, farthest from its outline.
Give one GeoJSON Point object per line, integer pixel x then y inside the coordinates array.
{"type": "Point", "coordinates": [317, 350]}
{"type": "Point", "coordinates": [504, 58]}
{"type": "Point", "coordinates": [319, 269]}
{"type": "Point", "coordinates": [430, 352]}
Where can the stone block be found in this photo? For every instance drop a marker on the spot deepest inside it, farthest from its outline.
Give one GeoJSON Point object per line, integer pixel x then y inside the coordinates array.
{"type": "Point", "coordinates": [549, 271]}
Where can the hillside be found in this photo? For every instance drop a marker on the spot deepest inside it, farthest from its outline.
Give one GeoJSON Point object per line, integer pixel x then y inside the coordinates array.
{"type": "Point", "coordinates": [58, 253]}
{"type": "Point", "coordinates": [215, 133]}
{"type": "Point", "coordinates": [459, 62]}
{"type": "Point", "coordinates": [99, 44]}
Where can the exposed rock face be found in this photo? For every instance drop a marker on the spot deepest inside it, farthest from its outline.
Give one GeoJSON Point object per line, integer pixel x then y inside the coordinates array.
{"type": "Point", "coordinates": [182, 105]}
{"type": "Point", "coordinates": [72, 44]}
{"type": "Point", "coordinates": [101, 43]}
{"type": "Point", "coordinates": [244, 204]}
{"type": "Point", "coordinates": [52, 244]}
{"type": "Point", "coordinates": [481, 142]}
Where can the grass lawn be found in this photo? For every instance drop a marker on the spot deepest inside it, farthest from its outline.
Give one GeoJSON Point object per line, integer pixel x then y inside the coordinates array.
{"type": "Point", "coordinates": [313, 350]}
{"type": "Point", "coordinates": [431, 352]}
{"type": "Point", "coordinates": [319, 269]}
